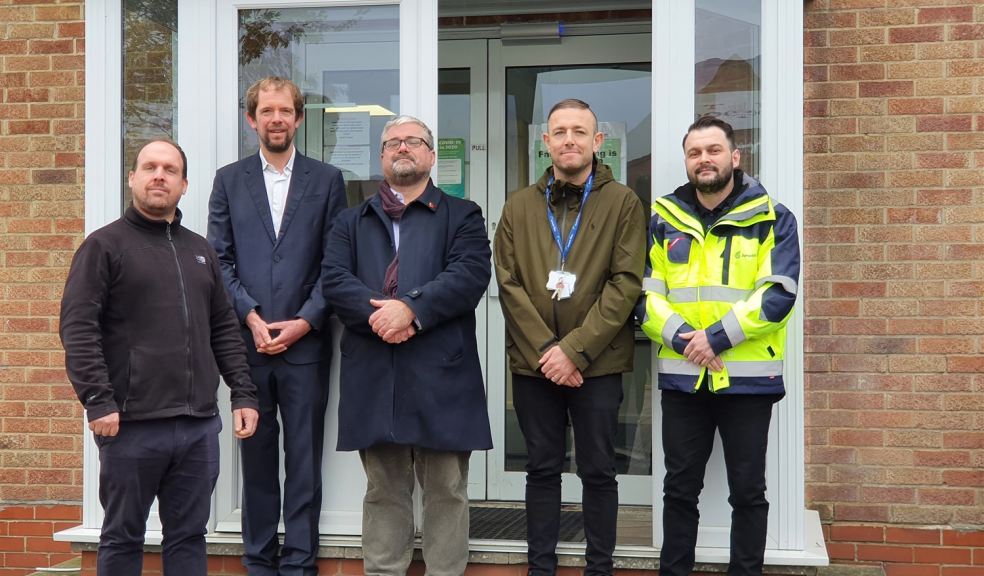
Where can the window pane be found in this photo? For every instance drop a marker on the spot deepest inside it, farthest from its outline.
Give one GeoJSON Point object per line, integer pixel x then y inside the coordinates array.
{"type": "Point", "coordinates": [150, 79]}
{"type": "Point", "coordinates": [346, 62]}
{"type": "Point", "coordinates": [454, 128]}
{"type": "Point", "coordinates": [728, 70]}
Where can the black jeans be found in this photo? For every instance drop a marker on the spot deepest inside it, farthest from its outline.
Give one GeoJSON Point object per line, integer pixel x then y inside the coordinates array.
{"type": "Point", "coordinates": [689, 423]}
{"type": "Point", "coordinates": [542, 408]}
{"type": "Point", "coordinates": [174, 459]}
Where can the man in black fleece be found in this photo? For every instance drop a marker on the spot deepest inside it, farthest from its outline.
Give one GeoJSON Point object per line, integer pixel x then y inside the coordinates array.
{"type": "Point", "coordinates": [147, 328]}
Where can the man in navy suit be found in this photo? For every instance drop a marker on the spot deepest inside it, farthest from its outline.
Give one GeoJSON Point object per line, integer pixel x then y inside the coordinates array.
{"type": "Point", "coordinates": [269, 219]}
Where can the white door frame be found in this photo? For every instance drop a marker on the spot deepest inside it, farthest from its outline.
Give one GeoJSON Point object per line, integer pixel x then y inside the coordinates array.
{"type": "Point", "coordinates": [574, 50]}
{"type": "Point", "coordinates": [782, 174]}
{"type": "Point", "coordinates": [341, 511]}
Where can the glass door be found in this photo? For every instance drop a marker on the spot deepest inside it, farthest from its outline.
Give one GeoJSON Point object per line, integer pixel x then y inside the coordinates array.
{"type": "Point", "coordinates": [613, 74]}
{"type": "Point", "coordinates": [351, 62]}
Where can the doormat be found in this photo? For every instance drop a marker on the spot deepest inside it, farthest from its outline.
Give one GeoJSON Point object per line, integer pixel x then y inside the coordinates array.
{"type": "Point", "coordinates": [495, 523]}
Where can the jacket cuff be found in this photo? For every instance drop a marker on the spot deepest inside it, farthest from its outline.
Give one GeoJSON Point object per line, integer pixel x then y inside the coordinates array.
{"type": "Point", "coordinates": [718, 339]}
{"type": "Point", "coordinates": [245, 403]}
{"type": "Point", "coordinates": [576, 356]}
{"type": "Point", "coordinates": [679, 344]}
{"type": "Point", "coordinates": [99, 410]}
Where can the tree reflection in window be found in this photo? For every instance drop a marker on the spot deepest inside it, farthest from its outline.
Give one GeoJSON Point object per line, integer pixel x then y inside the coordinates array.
{"type": "Point", "coordinates": [150, 48]}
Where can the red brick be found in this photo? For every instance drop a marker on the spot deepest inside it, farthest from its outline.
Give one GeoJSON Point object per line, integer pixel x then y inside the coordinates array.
{"type": "Point", "coordinates": [966, 32]}
{"type": "Point", "coordinates": [71, 29]}
{"type": "Point", "coordinates": [54, 176]}
{"type": "Point", "coordinates": [884, 553]}
{"type": "Point", "coordinates": [960, 571]}
{"type": "Point", "coordinates": [17, 513]}
{"type": "Point", "coordinates": [895, 535]}
{"type": "Point", "coordinates": [58, 13]}
{"type": "Point", "coordinates": [963, 537]}
{"type": "Point", "coordinates": [52, 46]}
{"type": "Point", "coordinates": [911, 570]}
{"type": "Point", "coordinates": [849, 533]}
{"type": "Point", "coordinates": [841, 551]}
{"type": "Point", "coordinates": [861, 513]}
{"type": "Point", "coordinates": [857, 72]}
{"type": "Point", "coordinates": [937, 15]}
{"type": "Point", "coordinates": [914, 34]}
{"type": "Point", "coordinates": [29, 529]}
{"type": "Point", "coordinates": [942, 160]}
{"type": "Point", "coordinates": [47, 545]}
{"type": "Point", "coordinates": [964, 478]}
{"type": "Point", "coordinates": [28, 127]}
{"type": "Point", "coordinates": [17, 47]}
{"type": "Point", "coordinates": [28, 95]}
{"type": "Point", "coordinates": [944, 124]}
{"type": "Point", "coordinates": [966, 364]}
{"type": "Point", "coordinates": [886, 88]}
{"type": "Point", "coordinates": [915, 106]}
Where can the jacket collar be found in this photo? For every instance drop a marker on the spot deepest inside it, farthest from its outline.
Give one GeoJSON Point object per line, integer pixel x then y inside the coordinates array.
{"type": "Point", "coordinates": [602, 175]}
{"type": "Point", "coordinates": [430, 198]}
{"type": "Point", "coordinates": [136, 218]}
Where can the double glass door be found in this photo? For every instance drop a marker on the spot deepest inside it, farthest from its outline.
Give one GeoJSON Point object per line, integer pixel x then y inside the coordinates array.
{"type": "Point", "coordinates": [493, 101]}
{"type": "Point", "coordinates": [492, 106]}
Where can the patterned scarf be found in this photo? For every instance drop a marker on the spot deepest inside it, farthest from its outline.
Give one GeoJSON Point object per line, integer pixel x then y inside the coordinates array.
{"type": "Point", "coordinates": [394, 209]}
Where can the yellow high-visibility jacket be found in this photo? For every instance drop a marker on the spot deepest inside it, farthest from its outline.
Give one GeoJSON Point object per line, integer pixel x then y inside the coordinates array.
{"type": "Point", "coordinates": [737, 280]}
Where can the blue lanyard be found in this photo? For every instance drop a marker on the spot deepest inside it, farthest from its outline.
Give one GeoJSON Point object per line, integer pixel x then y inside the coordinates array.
{"type": "Point", "coordinates": [565, 248]}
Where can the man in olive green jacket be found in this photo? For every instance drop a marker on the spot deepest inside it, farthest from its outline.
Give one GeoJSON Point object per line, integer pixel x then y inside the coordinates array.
{"type": "Point", "coordinates": [569, 258]}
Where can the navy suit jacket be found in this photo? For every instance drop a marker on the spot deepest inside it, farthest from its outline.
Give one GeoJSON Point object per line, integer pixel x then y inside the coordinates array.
{"type": "Point", "coordinates": [279, 276]}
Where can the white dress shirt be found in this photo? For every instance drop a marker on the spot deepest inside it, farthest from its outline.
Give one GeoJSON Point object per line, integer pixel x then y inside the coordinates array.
{"type": "Point", "coordinates": [277, 185]}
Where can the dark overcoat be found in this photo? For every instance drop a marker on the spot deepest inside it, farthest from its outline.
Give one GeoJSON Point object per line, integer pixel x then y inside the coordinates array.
{"type": "Point", "coordinates": [428, 391]}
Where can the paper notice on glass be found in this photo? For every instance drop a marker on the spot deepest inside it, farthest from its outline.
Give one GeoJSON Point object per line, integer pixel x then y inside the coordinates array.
{"type": "Point", "coordinates": [346, 129]}
{"type": "Point", "coordinates": [353, 161]}
{"type": "Point", "coordinates": [451, 166]}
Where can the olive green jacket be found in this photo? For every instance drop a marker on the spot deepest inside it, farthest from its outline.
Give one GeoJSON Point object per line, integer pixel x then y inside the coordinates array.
{"type": "Point", "coordinates": [594, 327]}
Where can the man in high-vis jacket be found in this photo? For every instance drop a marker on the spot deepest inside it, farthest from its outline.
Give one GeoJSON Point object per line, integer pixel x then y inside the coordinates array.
{"type": "Point", "coordinates": [725, 265]}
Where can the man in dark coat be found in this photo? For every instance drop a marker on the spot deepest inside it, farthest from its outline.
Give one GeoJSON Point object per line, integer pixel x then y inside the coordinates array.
{"type": "Point", "coordinates": [405, 271]}
{"type": "Point", "coordinates": [269, 219]}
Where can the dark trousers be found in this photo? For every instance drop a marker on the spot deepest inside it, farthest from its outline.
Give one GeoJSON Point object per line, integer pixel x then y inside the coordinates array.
{"type": "Point", "coordinates": [542, 408]}
{"type": "Point", "coordinates": [174, 459]}
{"type": "Point", "coordinates": [689, 423]}
{"type": "Point", "coordinates": [300, 393]}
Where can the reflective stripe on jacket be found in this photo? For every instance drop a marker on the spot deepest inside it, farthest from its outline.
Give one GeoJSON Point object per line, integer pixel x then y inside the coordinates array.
{"type": "Point", "coordinates": [737, 281]}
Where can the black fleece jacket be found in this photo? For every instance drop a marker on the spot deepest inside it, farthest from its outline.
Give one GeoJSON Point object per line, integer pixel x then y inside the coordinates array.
{"type": "Point", "coordinates": [147, 325]}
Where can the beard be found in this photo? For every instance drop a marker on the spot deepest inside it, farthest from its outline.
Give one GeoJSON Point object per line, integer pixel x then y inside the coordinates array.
{"type": "Point", "coordinates": [404, 171]}
{"type": "Point", "coordinates": [719, 182]}
{"type": "Point", "coordinates": [277, 147]}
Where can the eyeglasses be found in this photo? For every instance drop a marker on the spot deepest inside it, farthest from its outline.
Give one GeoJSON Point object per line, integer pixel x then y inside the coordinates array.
{"type": "Point", "coordinates": [412, 143]}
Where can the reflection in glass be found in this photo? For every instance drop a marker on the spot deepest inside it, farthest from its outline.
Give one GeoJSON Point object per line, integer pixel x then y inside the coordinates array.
{"type": "Point", "coordinates": [454, 130]}
{"type": "Point", "coordinates": [150, 102]}
{"type": "Point", "coordinates": [728, 70]}
{"type": "Point", "coordinates": [346, 62]}
{"type": "Point", "coordinates": [620, 95]}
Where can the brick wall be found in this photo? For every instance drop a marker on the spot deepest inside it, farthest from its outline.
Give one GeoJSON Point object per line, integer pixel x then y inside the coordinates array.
{"type": "Point", "coordinates": [42, 50]}
{"type": "Point", "coordinates": [894, 241]}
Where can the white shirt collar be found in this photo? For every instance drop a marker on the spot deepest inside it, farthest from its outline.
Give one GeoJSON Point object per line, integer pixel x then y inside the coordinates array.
{"type": "Point", "coordinates": [287, 169]}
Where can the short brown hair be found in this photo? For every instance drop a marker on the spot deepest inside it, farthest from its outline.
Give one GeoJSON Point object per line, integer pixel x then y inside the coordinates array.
{"type": "Point", "coordinates": [573, 103]}
{"type": "Point", "coordinates": [273, 83]}
{"type": "Point", "coordinates": [710, 121]}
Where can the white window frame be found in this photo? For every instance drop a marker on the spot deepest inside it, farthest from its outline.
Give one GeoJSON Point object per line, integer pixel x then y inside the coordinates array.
{"type": "Point", "coordinates": [198, 106]}
{"type": "Point", "coordinates": [794, 533]}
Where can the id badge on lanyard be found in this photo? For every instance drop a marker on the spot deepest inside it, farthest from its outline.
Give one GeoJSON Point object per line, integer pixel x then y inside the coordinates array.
{"type": "Point", "coordinates": [561, 282]}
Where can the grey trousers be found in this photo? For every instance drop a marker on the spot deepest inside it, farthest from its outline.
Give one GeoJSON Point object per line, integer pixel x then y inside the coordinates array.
{"type": "Point", "coordinates": [387, 512]}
